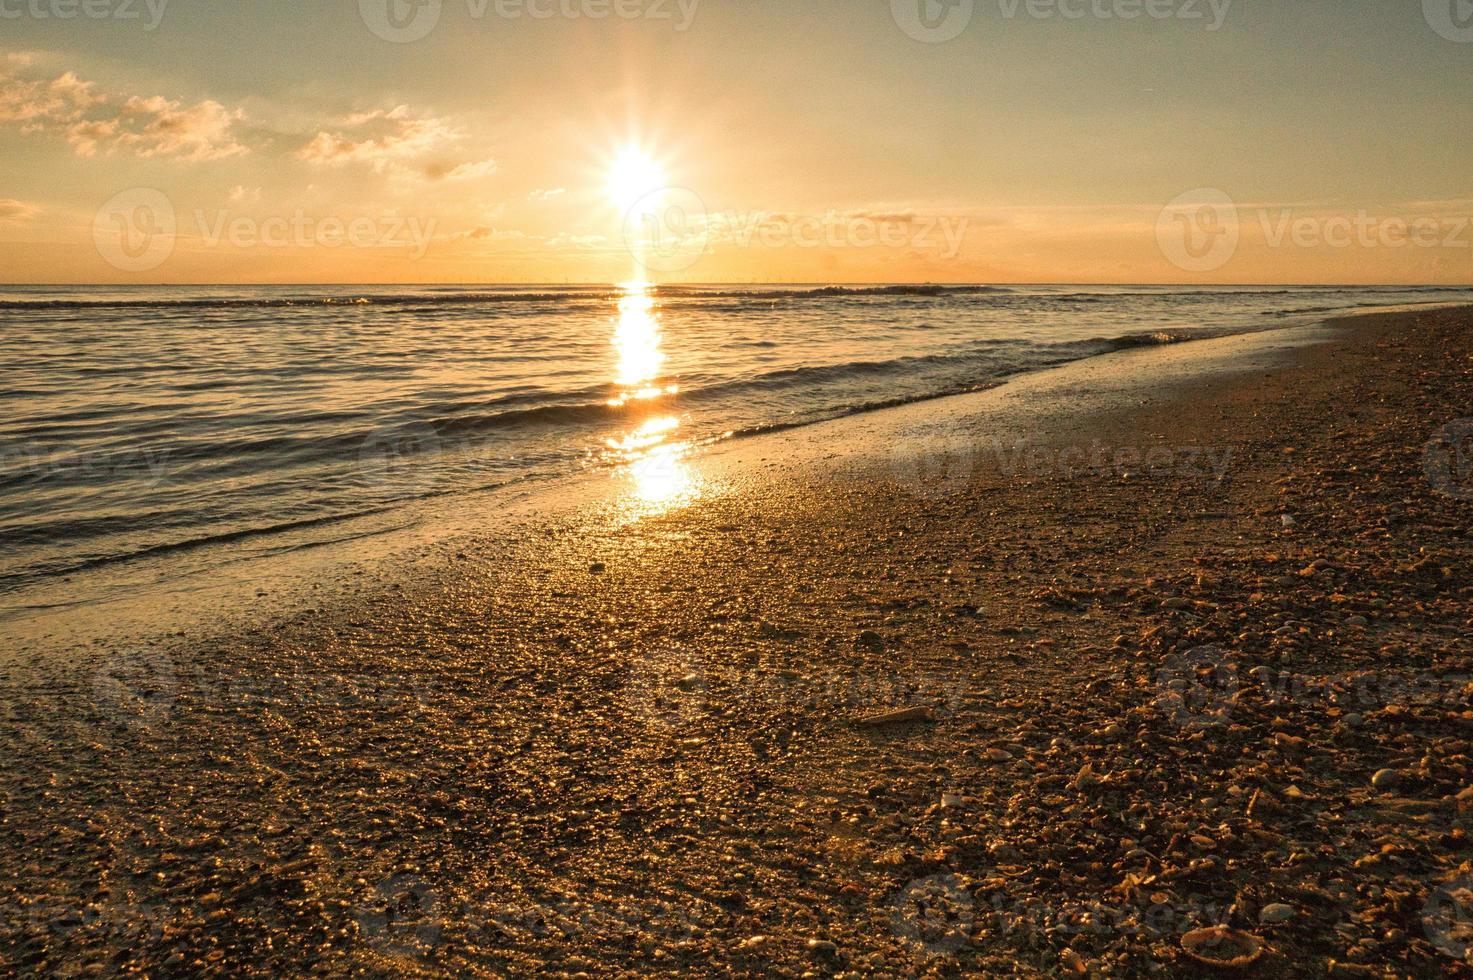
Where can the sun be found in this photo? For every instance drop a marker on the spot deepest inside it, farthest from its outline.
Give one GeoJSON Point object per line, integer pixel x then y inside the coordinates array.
{"type": "Point", "coordinates": [633, 175]}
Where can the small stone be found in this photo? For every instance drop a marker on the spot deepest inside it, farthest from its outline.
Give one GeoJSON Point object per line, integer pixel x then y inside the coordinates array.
{"type": "Point", "coordinates": [689, 682]}
{"type": "Point", "coordinates": [1357, 621]}
{"type": "Point", "coordinates": [1353, 720]}
{"type": "Point", "coordinates": [999, 755]}
{"type": "Point", "coordinates": [1386, 779]}
{"type": "Point", "coordinates": [951, 801]}
{"type": "Point", "coordinates": [1287, 521]}
{"type": "Point", "coordinates": [822, 947]}
{"type": "Point", "coordinates": [597, 568]}
{"type": "Point", "coordinates": [1275, 913]}
{"type": "Point", "coordinates": [871, 641]}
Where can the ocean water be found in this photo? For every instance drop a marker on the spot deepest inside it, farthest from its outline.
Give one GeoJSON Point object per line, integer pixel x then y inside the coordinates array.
{"type": "Point", "coordinates": [140, 421]}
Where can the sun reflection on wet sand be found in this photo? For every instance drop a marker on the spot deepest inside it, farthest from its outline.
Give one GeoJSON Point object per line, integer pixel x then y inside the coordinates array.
{"type": "Point", "coordinates": [653, 458]}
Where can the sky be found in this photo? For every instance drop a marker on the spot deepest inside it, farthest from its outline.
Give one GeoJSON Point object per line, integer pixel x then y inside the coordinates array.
{"type": "Point", "coordinates": [1161, 141]}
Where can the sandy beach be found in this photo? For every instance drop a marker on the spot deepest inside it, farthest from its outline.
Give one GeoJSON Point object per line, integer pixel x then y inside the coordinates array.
{"type": "Point", "coordinates": [1043, 679]}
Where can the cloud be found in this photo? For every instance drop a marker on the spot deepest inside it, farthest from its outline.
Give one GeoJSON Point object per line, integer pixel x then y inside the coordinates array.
{"type": "Point", "coordinates": [546, 194]}
{"type": "Point", "coordinates": [482, 233]}
{"type": "Point", "coordinates": [461, 171]}
{"type": "Point", "coordinates": [382, 139]}
{"type": "Point", "coordinates": [37, 104]}
{"type": "Point", "coordinates": [399, 143]}
{"type": "Point", "coordinates": [92, 122]}
{"type": "Point", "coordinates": [13, 210]}
{"type": "Point", "coordinates": [167, 127]}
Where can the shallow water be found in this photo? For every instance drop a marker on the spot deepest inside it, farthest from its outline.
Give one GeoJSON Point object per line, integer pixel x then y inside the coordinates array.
{"type": "Point", "coordinates": [142, 420]}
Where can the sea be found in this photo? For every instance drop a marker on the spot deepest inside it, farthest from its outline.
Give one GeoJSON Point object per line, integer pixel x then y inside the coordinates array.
{"type": "Point", "coordinates": [146, 421]}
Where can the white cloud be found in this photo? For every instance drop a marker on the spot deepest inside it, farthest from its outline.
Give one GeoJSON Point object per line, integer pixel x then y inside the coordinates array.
{"type": "Point", "coordinates": [93, 122]}
{"type": "Point", "coordinates": [399, 143]}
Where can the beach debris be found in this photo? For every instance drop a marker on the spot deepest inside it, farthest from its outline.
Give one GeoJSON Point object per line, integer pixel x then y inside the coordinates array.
{"type": "Point", "coordinates": [1222, 946]}
{"type": "Point", "coordinates": [952, 801]}
{"type": "Point", "coordinates": [900, 716]}
{"type": "Point", "coordinates": [1287, 520]}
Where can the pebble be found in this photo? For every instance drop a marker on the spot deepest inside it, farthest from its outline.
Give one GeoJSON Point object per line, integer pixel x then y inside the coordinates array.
{"type": "Point", "coordinates": [1386, 779]}
{"type": "Point", "coordinates": [1276, 913]}
{"type": "Point", "coordinates": [822, 947]}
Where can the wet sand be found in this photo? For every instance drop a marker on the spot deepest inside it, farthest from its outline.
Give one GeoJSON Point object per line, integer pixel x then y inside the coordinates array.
{"type": "Point", "coordinates": [1193, 653]}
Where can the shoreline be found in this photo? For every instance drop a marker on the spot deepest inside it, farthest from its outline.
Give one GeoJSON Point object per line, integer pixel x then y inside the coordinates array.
{"type": "Point", "coordinates": [78, 608]}
{"type": "Point", "coordinates": [633, 741]}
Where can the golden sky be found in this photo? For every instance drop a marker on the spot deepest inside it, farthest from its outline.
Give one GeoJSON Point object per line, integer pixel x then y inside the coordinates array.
{"type": "Point", "coordinates": [696, 140]}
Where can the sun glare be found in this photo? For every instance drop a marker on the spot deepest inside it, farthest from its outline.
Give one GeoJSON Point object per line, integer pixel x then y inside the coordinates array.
{"type": "Point", "coordinates": [633, 175]}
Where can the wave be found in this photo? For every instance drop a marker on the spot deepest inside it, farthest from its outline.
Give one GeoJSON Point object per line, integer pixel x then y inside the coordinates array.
{"type": "Point", "coordinates": [491, 297]}
{"type": "Point", "coordinates": [736, 295]}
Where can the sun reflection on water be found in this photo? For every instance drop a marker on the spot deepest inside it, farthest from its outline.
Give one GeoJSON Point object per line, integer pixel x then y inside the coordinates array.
{"type": "Point", "coordinates": [653, 458]}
